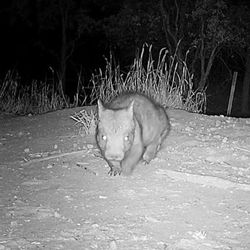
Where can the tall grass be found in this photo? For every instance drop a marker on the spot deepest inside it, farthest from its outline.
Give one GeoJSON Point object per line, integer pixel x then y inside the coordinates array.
{"type": "Point", "coordinates": [35, 98]}
{"type": "Point", "coordinates": [166, 80]}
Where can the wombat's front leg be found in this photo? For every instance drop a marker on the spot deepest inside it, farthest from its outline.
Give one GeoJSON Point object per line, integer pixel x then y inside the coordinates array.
{"type": "Point", "coordinates": [150, 152]}
{"type": "Point", "coordinates": [154, 147]}
{"type": "Point", "coordinates": [129, 162]}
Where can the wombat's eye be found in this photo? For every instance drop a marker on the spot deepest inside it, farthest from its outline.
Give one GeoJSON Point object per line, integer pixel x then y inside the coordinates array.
{"type": "Point", "coordinates": [126, 138]}
{"type": "Point", "coordinates": [104, 137]}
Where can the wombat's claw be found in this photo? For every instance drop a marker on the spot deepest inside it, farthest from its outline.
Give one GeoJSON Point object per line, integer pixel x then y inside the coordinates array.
{"type": "Point", "coordinates": [114, 172]}
{"type": "Point", "coordinates": [144, 162]}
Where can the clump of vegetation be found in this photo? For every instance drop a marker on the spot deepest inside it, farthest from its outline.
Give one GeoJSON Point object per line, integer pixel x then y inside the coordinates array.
{"type": "Point", "coordinates": [86, 121]}
{"type": "Point", "coordinates": [167, 81]}
{"type": "Point", "coordinates": [35, 98]}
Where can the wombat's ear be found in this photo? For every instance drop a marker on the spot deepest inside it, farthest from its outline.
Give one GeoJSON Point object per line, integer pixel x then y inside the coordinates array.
{"type": "Point", "coordinates": [100, 107]}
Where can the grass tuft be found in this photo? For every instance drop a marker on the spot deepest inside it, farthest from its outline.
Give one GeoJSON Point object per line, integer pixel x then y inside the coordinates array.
{"type": "Point", "coordinates": [86, 121]}
{"type": "Point", "coordinates": [167, 81]}
{"type": "Point", "coordinates": [36, 98]}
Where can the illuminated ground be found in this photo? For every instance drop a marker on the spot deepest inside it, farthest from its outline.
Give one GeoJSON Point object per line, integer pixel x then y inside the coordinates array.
{"type": "Point", "coordinates": [55, 192]}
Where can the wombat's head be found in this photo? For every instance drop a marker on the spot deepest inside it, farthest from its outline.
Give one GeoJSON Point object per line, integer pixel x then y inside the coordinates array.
{"type": "Point", "coordinates": [115, 131]}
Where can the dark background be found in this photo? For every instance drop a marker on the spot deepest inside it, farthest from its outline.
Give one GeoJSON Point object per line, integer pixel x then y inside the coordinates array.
{"type": "Point", "coordinates": [31, 39]}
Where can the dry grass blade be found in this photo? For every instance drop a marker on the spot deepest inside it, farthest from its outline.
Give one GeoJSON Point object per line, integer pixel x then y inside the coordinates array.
{"type": "Point", "coordinates": [86, 121]}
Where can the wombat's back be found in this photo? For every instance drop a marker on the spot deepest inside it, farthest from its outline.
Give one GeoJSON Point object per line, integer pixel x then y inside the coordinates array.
{"type": "Point", "coordinates": [151, 116]}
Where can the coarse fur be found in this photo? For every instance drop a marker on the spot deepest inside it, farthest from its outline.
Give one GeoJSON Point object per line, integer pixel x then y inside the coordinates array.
{"type": "Point", "coordinates": [130, 128]}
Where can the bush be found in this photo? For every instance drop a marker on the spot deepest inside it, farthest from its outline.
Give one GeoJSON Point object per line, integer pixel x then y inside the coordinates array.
{"type": "Point", "coordinates": [167, 81]}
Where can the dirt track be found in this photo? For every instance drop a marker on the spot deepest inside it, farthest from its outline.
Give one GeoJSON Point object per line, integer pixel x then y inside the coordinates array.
{"type": "Point", "coordinates": [55, 192]}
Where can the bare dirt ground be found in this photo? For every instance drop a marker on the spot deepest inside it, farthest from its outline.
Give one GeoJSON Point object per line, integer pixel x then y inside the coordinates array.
{"type": "Point", "coordinates": [55, 192]}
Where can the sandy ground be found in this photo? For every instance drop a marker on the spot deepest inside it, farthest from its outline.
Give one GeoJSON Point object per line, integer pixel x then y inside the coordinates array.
{"type": "Point", "coordinates": [55, 192]}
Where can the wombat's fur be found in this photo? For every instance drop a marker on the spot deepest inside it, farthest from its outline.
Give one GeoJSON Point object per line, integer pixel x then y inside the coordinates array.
{"type": "Point", "coordinates": [129, 128]}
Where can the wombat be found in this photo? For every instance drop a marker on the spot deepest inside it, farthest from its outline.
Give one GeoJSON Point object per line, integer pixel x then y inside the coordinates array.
{"type": "Point", "coordinates": [130, 128]}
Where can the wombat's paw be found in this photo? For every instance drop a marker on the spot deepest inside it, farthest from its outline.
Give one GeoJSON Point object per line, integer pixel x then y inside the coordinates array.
{"type": "Point", "coordinates": [148, 156]}
{"type": "Point", "coordinates": [115, 171]}
{"type": "Point", "coordinates": [144, 162]}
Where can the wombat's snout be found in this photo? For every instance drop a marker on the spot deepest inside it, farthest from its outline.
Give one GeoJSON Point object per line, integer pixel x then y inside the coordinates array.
{"type": "Point", "coordinates": [114, 156]}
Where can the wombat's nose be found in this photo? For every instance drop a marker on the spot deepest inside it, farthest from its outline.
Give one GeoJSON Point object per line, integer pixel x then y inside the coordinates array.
{"type": "Point", "coordinates": [114, 157]}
